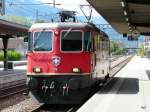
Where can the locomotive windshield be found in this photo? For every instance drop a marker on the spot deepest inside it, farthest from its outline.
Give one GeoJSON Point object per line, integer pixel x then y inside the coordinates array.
{"type": "Point", "coordinates": [71, 41]}
{"type": "Point", "coordinates": [43, 41]}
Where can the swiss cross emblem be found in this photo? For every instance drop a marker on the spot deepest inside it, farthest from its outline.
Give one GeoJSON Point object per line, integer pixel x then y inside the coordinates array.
{"type": "Point", "coordinates": [56, 60]}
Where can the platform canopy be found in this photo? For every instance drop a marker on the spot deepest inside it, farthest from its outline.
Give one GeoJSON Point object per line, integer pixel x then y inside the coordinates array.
{"type": "Point", "coordinates": [125, 15]}
{"type": "Point", "coordinates": [11, 28]}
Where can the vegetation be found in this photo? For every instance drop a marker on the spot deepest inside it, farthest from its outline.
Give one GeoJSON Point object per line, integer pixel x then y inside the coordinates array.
{"type": "Point", "coordinates": [147, 53]}
{"type": "Point", "coordinates": [115, 49]}
{"type": "Point", "coordinates": [40, 21]}
{"type": "Point", "coordinates": [18, 19]}
{"type": "Point", "coordinates": [141, 51]}
{"type": "Point", "coordinates": [12, 56]}
{"type": "Point", "coordinates": [1, 56]}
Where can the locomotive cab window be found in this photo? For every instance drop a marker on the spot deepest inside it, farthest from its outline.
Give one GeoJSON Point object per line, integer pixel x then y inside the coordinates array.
{"type": "Point", "coordinates": [71, 41]}
{"type": "Point", "coordinates": [43, 41]}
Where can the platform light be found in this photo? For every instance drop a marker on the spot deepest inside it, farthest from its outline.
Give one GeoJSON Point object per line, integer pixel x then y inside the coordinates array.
{"type": "Point", "coordinates": [122, 4]}
{"type": "Point", "coordinates": [125, 13]}
{"type": "Point", "coordinates": [127, 19]}
{"type": "Point", "coordinates": [129, 27]}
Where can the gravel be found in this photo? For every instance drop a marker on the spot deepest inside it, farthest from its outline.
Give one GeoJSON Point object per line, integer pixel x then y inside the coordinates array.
{"type": "Point", "coordinates": [12, 100]}
{"type": "Point", "coordinates": [27, 105]}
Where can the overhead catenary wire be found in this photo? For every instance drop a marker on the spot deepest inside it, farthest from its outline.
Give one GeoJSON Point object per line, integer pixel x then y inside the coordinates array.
{"type": "Point", "coordinates": [49, 3]}
{"type": "Point", "coordinates": [26, 9]}
{"type": "Point", "coordinates": [23, 8]}
{"type": "Point", "coordinates": [20, 4]}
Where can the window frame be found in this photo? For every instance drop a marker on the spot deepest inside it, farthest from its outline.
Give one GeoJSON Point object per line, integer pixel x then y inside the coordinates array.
{"type": "Point", "coordinates": [71, 51]}
{"type": "Point", "coordinates": [52, 40]}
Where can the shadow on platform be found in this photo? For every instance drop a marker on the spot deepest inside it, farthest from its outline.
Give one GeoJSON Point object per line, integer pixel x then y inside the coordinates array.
{"type": "Point", "coordinates": [148, 73]}
{"type": "Point", "coordinates": [129, 86]}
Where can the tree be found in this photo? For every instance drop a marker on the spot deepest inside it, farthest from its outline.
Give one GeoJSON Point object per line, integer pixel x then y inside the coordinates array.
{"type": "Point", "coordinates": [115, 49]}
{"type": "Point", "coordinates": [40, 21]}
{"type": "Point", "coordinates": [141, 51]}
{"type": "Point", "coordinates": [18, 19]}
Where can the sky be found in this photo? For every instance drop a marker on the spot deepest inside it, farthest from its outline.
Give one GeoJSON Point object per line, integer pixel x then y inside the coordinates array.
{"type": "Point", "coordinates": [74, 5]}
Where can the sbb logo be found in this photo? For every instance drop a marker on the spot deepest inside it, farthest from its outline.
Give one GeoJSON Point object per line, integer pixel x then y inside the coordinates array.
{"type": "Point", "coordinates": [56, 60]}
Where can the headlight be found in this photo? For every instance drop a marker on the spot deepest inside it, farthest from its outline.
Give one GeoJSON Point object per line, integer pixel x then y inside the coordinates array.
{"type": "Point", "coordinates": [37, 70]}
{"type": "Point", "coordinates": [76, 70]}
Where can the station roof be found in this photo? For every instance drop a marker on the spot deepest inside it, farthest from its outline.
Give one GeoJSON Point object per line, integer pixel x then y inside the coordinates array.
{"type": "Point", "coordinates": [11, 28]}
{"type": "Point", "coordinates": [124, 15]}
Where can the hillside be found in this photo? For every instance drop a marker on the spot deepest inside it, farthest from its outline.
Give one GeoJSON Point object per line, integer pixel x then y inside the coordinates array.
{"type": "Point", "coordinates": [30, 11]}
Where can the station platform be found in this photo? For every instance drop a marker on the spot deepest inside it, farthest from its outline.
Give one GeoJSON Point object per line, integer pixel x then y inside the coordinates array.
{"type": "Point", "coordinates": [128, 91]}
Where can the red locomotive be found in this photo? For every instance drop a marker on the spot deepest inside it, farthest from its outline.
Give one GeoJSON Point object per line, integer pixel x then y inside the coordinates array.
{"type": "Point", "coordinates": [65, 60]}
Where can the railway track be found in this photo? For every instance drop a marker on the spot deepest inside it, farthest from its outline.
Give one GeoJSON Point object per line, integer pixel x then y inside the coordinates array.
{"type": "Point", "coordinates": [118, 66]}
{"type": "Point", "coordinates": [56, 108]}
{"type": "Point", "coordinates": [12, 83]}
{"type": "Point", "coordinates": [119, 62]}
{"type": "Point", "coordinates": [115, 69]}
{"type": "Point", "coordinates": [115, 58]}
{"type": "Point", "coordinates": [16, 88]}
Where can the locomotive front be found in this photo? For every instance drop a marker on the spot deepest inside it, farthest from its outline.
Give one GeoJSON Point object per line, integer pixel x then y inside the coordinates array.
{"type": "Point", "coordinates": [60, 62]}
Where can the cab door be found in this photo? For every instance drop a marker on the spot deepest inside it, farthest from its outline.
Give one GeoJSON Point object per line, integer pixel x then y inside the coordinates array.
{"type": "Point", "coordinates": [89, 48]}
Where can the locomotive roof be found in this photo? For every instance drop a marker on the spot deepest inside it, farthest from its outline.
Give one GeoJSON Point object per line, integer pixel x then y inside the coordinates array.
{"type": "Point", "coordinates": [62, 25]}
{"type": "Point", "coordinates": [66, 25]}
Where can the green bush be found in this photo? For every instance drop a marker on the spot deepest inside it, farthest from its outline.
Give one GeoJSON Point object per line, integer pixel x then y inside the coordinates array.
{"type": "Point", "coordinates": [1, 56]}
{"type": "Point", "coordinates": [147, 53]}
{"type": "Point", "coordinates": [120, 51]}
{"type": "Point", "coordinates": [141, 51]}
{"type": "Point", "coordinates": [12, 56]}
{"type": "Point", "coordinates": [115, 49]}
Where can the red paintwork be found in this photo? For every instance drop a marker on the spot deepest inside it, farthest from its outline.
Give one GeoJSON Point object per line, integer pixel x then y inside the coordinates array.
{"type": "Point", "coordinates": [68, 61]}
{"type": "Point", "coordinates": [43, 60]}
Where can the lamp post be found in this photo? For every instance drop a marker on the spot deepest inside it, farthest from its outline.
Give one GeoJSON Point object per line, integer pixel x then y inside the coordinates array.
{"type": "Point", "coordinates": [2, 7]}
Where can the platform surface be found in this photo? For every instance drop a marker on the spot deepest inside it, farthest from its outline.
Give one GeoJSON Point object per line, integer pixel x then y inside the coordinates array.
{"type": "Point", "coordinates": [129, 91]}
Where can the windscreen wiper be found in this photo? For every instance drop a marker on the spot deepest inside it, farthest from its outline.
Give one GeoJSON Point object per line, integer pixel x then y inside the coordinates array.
{"type": "Point", "coordinates": [68, 31]}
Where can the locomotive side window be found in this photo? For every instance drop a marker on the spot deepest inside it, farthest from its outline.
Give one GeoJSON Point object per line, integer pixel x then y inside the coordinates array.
{"type": "Point", "coordinates": [87, 41]}
{"type": "Point", "coordinates": [97, 41]}
{"type": "Point", "coordinates": [43, 41]}
{"type": "Point", "coordinates": [71, 41]}
{"type": "Point", "coordinates": [30, 41]}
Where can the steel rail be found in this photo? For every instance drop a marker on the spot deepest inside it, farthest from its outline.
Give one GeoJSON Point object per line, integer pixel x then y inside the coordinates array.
{"type": "Point", "coordinates": [120, 62]}
{"type": "Point", "coordinates": [12, 90]}
{"type": "Point", "coordinates": [53, 108]}
{"type": "Point", "coordinates": [12, 83]}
